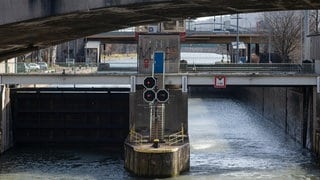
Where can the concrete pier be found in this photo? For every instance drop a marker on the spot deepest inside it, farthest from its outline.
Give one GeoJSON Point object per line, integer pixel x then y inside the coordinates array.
{"type": "Point", "coordinates": [165, 161]}
{"type": "Point", "coordinates": [173, 155]}
{"type": "Point", "coordinates": [6, 140]}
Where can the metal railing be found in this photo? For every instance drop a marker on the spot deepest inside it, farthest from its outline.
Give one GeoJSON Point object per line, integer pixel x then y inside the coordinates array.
{"type": "Point", "coordinates": [135, 137]}
{"type": "Point", "coordinates": [132, 67]}
{"type": "Point", "coordinates": [266, 68]}
{"type": "Point", "coordinates": [176, 138]}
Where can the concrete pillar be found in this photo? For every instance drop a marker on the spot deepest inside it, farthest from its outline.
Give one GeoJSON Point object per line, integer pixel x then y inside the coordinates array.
{"type": "Point", "coordinates": [6, 140]}
{"type": "Point", "coordinates": [171, 157]}
{"type": "Point", "coordinates": [249, 53]}
{"type": "Point", "coordinates": [257, 49]}
{"type": "Point", "coordinates": [157, 162]}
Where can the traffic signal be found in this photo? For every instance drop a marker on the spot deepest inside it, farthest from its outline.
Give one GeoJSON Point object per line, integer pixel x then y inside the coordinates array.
{"type": "Point", "coordinates": [149, 95]}
{"type": "Point", "coordinates": [162, 95]}
{"type": "Point", "coordinates": [149, 82]}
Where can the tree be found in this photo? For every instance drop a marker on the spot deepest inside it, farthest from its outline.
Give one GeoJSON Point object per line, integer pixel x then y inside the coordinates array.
{"type": "Point", "coordinates": [314, 21]}
{"type": "Point", "coordinates": [284, 28]}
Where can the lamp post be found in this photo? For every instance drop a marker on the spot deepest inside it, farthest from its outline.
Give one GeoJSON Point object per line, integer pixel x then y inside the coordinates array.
{"type": "Point", "coordinates": [249, 46]}
{"type": "Point", "coordinates": [306, 38]}
{"type": "Point", "coordinates": [237, 39]}
{"type": "Point", "coordinates": [237, 55]}
{"type": "Point", "coordinates": [214, 23]}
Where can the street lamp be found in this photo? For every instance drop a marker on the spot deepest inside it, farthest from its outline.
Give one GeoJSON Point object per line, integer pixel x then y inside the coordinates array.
{"type": "Point", "coordinates": [237, 59]}
{"type": "Point", "coordinates": [250, 32]}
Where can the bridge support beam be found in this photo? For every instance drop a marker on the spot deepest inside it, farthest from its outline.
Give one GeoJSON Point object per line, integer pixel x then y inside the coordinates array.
{"type": "Point", "coordinates": [6, 140]}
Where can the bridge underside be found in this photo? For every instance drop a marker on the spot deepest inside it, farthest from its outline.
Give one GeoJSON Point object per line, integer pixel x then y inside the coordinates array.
{"type": "Point", "coordinates": [50, 22]}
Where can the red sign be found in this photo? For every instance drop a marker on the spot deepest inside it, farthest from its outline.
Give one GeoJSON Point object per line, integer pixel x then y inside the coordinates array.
{"type": "Point", "coordinates": [183, 36]}
{"type": "Point", "coordinates": [220, 82]}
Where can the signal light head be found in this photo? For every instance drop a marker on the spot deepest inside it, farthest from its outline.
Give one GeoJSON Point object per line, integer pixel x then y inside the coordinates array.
{"type": "Point", "coordinates": [149, 96]}
{"type": "Point", "coordinates": [162, 95]}
{"type": "Point", "coordinates": [149, 82]}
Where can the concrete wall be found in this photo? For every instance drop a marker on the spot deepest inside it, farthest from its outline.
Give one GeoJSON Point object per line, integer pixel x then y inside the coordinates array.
{"type": "Point", "coordinates": [314, 51]}
{"type": "Point", "coordinates": [6, 138]}
{"type": "Point", "coordinates": [316, 122]}
{"type": "Point", "coordinates": [288, 107]}
{"type": "Point", "coordinates": [157, 163]}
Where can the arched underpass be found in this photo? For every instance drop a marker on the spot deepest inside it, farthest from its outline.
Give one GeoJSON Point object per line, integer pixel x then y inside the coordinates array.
{"type": "Point", "coordinates": [229, 137]}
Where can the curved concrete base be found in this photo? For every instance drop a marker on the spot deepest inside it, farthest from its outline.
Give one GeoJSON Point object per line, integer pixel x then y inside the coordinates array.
{"type": "Point", "coordinates": [165, 161]}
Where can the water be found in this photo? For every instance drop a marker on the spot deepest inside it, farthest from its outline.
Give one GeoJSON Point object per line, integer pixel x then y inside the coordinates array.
{"type": "Point", "coordinates": [228, 141]}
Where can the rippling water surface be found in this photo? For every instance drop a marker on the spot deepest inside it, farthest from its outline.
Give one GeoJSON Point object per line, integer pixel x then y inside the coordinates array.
{"type": "Point", "coordinates": [228, 141]}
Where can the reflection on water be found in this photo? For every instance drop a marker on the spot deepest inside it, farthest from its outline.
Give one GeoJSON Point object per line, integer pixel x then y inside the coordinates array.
{"type": "Point", "coordinates": [228, 141]}
{"type": "Point", "coordinates": [61, 163]}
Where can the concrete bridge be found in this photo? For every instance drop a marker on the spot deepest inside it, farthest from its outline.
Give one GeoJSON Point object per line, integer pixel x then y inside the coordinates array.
{"type": "Point", "coordinates": [191, 38]}
{"type": "Point", "coordinates": [34, 24]}
{"type": "Point", "coordinates": [184, 79]}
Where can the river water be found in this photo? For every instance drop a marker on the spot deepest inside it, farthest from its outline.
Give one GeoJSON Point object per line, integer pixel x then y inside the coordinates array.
{"type": "Point", "coordinates": [228, 141]}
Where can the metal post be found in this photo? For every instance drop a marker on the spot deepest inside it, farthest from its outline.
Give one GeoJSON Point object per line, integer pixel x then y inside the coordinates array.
{"type": "Point", "coordinates": [221, 23]}
{"type": "Point", "coordinates": [150, 119]}
{"type": "Point", "coordinates": [237, 55]}
{"type": "Point", "coordinates": [306, 38]}
{"type": "Point", "coordinates": [214, 23]}
{"type": "Point", "coordinates": [269, 45]}
{"type": "Point", "coordinates": [68, 50]}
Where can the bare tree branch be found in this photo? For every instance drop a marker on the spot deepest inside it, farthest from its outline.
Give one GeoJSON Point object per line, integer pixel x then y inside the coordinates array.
{"type": "Point", "coordinates": [285, 30]}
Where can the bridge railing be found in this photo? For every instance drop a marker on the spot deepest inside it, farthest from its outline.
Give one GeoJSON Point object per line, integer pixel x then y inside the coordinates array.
{"type": "Point", "coordinates": [67, 68]}
{"type": "Point", "coordinates": [131, 67]}
{"type": "Point", "coordinates": [267, 68]}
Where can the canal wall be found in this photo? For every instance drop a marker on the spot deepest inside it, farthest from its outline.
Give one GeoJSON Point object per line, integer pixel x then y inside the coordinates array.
{"type": "Point", "coordinates": [291, 108]}
{"type": "Point", "coordinates": [5, 120]}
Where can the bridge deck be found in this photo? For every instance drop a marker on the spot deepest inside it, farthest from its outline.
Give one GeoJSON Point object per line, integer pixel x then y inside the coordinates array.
{"type": "Point", "coordinates": [191, 37]}
{"type": "Point", "coordinates": [200, 78]}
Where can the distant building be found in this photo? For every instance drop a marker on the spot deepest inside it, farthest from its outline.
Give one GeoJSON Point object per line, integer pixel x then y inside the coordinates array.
{"type": "Point", "coordinates": [314, 51]}
{"type": "Point", "coordinates": [72, 50]}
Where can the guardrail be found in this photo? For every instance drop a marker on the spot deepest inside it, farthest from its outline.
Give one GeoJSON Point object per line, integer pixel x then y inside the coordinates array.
{"type": "Point", "coordinates": [268, 68]}
{"type": "Point", "coordinates": [131, 67]}
{"type": "Point", "coordinates": [177, 137]}
{"type": "Point", "coordinates": [135, 137]}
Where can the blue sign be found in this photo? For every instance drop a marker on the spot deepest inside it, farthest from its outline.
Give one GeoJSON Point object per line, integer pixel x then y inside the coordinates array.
{"type": "Point", "coordinates": [158, 62]}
